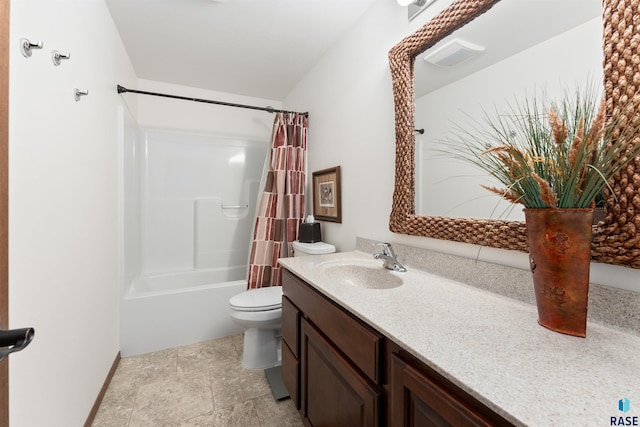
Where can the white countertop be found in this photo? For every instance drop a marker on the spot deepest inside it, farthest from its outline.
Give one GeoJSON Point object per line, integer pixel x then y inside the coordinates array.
{"type": "Point", "coordinates": [492, 346]}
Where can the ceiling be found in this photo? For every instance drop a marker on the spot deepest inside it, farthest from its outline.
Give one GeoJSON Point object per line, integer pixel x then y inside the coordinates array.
{"type": "Point", "coordinates": [263, 48]}
{"type": "Point", "coordinates": [259, 48]}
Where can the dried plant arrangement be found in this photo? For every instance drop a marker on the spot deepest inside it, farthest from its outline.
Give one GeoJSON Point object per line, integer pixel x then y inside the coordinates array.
{"type": "Point", "coordinates": [548, 154]}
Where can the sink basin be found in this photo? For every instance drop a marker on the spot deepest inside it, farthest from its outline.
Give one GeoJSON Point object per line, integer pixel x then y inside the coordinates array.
{"type": "Point", "coordinates": [361, 273]}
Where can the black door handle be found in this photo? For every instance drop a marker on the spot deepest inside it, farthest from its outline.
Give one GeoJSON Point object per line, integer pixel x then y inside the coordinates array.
{"type": "Point", "coordinates": [15, 340]}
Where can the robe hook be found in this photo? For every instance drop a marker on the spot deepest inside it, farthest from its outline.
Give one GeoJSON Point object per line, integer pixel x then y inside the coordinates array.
{"type": "Point", "coordinates": [78, 93]}
{"type": "Point", "coordinates": [57, 56]}
{"type": "Point", "coordinates": [26, 46]}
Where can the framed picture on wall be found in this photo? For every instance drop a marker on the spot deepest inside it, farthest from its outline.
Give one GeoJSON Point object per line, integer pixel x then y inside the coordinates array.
{"type": "Point", "coordinates": [326, 195]}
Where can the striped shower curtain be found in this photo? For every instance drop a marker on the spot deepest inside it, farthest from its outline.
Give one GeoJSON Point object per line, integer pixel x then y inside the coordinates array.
{"type": "Point", "coordinates": [281, 207]}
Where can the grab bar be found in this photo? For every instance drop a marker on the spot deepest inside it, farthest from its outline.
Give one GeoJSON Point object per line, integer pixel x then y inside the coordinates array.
{"type": "Point", "coordinates": [234, 206]}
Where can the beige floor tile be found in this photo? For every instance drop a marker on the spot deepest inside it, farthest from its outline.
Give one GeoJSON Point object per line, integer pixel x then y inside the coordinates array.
{"type": "Point", "coordinates": [168, 403]}
{"type": "Point", "coordinates": [147, 368]}
{"type": "Point", "coordinates": [232, 384]}
{"type": "Point", "coordinates": [117, 406]}
{"type": "Point", "coordinates": [241, 415]}
{"type": "Point", "coordinates": [273, 413]}
{"type": "Point", "coordinates": [238, 341]}
{"type": "Point", "coordinates": [199, 357]}
{"type": "Point", "coordinates": [198, 385]}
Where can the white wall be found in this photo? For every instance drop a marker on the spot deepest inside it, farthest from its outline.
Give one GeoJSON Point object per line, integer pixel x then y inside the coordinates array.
{"type": "Point", "coordinates": [351, 124]}
{"type": "Point", "coordinates": [63, 208]}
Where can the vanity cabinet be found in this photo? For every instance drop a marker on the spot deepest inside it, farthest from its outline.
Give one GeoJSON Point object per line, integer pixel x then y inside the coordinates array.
{"type": "Point", "coordinates": [339, 371]}
{"type": "Point", "coordinates": [330, 362]}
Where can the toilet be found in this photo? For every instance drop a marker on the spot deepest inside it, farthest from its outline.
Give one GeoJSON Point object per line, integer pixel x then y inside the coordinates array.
{"type": "Point", "coordinates": [259, 312]}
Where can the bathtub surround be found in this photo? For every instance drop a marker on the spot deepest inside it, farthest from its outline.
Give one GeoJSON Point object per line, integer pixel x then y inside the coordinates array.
{"type": "Point", "coordinates": [198, 196]}
{"type": "Point", "coordinates": [189, 208]}
{"type": "Point", "coordinates": [281, 209]}
{"type": "Point", "coordinates": [170, 310]}
{"type": "Point", "coordinates": [616, 308]}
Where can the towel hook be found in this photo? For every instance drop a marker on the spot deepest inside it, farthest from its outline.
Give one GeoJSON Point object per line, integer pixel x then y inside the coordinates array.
{"type": "Point", "coordinates": [57, 56]}
{"type": "Point", "coordinates": [26, 46]}
{"type": "Point", "coordinates": [78, 93]}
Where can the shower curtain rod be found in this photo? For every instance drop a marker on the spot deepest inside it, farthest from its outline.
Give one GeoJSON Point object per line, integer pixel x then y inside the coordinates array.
{"type": "Point", "coordinates": [122, 89]}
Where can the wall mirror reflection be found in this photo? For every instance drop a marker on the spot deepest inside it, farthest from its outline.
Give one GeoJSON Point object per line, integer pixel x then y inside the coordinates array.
{"type": "Point", "coordinates": [479, 68]}
{"type": "Point", "coordinates": [601, 50]}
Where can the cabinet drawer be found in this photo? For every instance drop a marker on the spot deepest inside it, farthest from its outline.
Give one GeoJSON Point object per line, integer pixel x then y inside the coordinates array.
{"type": "Point", "coordinates": [291, 326]}
{"type": "Point", "coordinates": [358, 342]}
{"type": "Point", "coordinates": [291, 374]}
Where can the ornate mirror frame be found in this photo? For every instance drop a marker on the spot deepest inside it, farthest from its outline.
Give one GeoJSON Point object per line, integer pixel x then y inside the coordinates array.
{"type": "Point", "coordinates": [617, 241]}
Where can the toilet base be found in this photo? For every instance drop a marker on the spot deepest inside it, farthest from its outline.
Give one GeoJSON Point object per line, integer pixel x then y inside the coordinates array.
{"type": "Point", "coordinates": [261, 348]}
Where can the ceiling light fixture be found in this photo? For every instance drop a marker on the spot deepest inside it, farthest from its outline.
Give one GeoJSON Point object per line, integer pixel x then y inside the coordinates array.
{"type": "Point", "coordinates": [419, 3]}
{"type": "Point", "coordinates": [415, 7]}
{"type": "Point", "coordinates": [453, 53]}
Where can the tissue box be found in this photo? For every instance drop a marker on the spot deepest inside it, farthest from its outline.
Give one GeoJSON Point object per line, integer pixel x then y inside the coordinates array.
{"type": "Point", "coordinates": [310, 232]}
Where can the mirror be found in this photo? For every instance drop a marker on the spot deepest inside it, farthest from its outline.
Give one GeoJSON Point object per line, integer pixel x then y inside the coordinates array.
{"type": "Point", "coordinates": [504, 69]}
{"type": "Point", "coordinates": [615, 241]}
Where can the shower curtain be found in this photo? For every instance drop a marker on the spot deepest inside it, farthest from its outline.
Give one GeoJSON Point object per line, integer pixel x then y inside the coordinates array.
{"type": "Point", "coordinates": [281, 207]}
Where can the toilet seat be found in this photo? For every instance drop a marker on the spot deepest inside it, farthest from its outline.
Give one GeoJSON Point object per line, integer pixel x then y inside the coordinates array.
{"type": "Point", "coordinates": [261, 299]}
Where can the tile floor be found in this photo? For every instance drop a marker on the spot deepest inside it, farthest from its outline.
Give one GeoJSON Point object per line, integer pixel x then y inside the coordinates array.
{"type": "Point", "coordinates": [202, 384]}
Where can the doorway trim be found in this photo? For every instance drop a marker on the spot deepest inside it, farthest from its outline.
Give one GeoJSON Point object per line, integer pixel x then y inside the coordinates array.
{"type": "Point", "coordinates": [4, 203]}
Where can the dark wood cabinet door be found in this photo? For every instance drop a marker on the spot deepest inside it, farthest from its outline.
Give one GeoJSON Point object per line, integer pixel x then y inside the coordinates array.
{"type": "Point", "coordinates": [333, 392]}
{"type": "Point", "coordinates": [291, 326]}
{"type": "Point", "coordinates": [419, 400]}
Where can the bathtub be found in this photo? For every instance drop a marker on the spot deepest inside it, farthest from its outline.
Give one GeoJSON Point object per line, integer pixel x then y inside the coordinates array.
{"type": "Point", "coordinates": [168, 310]}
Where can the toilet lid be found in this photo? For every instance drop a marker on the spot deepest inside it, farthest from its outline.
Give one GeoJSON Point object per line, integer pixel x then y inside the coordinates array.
{"type": "Point", "coordinates": [317, 248]}
{"type": "Point", "coordinates": [260, 299]}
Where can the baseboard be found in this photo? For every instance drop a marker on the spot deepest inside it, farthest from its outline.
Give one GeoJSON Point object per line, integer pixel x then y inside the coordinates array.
{"type": "Point", "coordinates": [103, 390]}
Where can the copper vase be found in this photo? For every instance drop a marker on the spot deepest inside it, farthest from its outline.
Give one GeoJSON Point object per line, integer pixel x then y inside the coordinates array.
{"type": "Point", "coordinates": [560, 255]}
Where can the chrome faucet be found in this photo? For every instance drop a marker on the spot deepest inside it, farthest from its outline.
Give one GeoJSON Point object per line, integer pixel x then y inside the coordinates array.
{"type": "Point", "coordinates": [388, 256]}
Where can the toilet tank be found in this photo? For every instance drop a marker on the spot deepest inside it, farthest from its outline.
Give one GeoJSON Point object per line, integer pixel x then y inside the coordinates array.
{"type": "Point", "coordinates": [317, 248]}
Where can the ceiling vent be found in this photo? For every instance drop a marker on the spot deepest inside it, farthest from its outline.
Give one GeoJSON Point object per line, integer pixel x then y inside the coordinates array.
{"type": "Point", "coordinates": [453, 53]}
